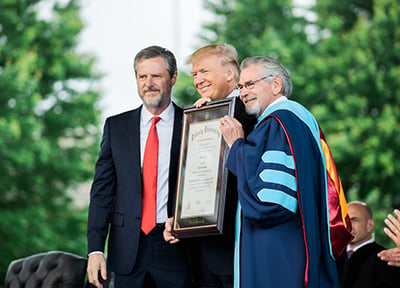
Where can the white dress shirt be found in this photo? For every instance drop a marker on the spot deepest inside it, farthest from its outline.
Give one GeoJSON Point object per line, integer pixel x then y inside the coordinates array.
{"type": "Point", "coordinates": [165, 129]}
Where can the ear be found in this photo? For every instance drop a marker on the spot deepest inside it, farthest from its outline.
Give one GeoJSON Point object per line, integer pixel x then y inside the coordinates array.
{"type": "Point", "coordinates": [229, 75]}
{"type": "Point", "coordinates": [370, 225]}
{"type": "Point", "coordinates": [173, 79]}
{"type": "Point", "coordinates": [276, 85]}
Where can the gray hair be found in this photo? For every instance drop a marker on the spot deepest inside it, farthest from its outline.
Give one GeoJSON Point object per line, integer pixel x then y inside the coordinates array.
{"type": "Point", "coordinates": [156, 51]}
{"type": "Point", "coordinates": [271, 67]}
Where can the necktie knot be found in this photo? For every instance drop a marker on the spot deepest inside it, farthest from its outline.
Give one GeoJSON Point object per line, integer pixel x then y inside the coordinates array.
{"type": "Point", "coordinates": [155, 120]}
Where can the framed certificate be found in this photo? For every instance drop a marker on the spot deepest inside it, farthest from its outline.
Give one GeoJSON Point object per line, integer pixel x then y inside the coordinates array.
{"type": "Point", "coordinates": [202, 177]}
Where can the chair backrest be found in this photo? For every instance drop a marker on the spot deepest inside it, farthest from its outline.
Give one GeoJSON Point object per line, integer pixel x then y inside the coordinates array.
{"type": "Point", "coordinates": [49, 269]}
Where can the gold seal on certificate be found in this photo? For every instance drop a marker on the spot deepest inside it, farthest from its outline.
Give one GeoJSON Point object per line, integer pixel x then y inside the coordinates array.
{"type": "Point", "coordinates": [200, 197]}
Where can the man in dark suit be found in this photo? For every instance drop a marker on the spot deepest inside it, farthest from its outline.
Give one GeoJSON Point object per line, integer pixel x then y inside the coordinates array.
{"type": "Point", "coordinates": [215, 71]}
{"type": "Point", "coordinates": [360, 266]}
{"type": "Point", "coordinates": [138, 255]}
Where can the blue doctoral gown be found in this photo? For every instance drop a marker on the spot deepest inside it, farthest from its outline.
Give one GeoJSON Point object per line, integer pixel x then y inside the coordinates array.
{"type": "Point", "coordinates": [283, 224]}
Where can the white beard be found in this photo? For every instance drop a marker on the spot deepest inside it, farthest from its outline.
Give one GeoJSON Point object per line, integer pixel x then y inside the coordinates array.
{"type": "Point", "coordinates": [253, 109]}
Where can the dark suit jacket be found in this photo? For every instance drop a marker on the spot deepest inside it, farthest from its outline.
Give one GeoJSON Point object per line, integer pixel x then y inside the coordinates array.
{"type": "Point", "coordinates": [365, 270]}
{"type": "Point", "coordinates": [218, 251]}
{"type": "Point", "coordinates": [116, 194]}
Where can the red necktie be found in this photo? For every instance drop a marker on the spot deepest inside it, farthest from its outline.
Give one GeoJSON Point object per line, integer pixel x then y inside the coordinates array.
{"type": "Point", "coordinates": [150, 165]}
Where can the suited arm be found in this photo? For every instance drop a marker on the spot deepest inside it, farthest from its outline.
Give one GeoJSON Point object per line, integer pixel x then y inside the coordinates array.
{"type": "Point", "coordinates": [101, 195]}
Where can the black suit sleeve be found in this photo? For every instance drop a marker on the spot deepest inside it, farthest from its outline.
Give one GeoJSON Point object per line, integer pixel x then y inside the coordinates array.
{"type": "Point", "coordinates": [247, 121]}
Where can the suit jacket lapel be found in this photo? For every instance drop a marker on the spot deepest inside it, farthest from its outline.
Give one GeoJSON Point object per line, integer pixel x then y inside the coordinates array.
{"type": "Point", "coordinates": [133, 136]}
{"type": "Point", "coordinates": [175, 149]}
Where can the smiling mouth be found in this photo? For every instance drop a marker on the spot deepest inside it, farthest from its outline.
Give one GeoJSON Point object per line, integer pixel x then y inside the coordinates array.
{"type": "Point", "coordinates": [247, 99]}
{"type": "Point", "coordinates": [204, 87]}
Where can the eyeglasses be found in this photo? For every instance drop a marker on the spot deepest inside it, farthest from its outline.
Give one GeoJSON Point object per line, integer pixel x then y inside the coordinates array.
{"type": "Point", "coordinates": [251, 84]}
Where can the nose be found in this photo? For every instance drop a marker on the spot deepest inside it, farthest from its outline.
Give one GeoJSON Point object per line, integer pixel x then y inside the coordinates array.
{"type": "Point", "coordinates": [243, 93]}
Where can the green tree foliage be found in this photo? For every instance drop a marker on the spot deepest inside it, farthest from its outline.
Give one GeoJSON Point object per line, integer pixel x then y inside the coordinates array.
{"type": "Point", "coordinates": [345, 64]}
{"type": "Point", "coordinates": [347, 11]}
{"type": "Point", "coordinates": [185, 93]}
{"type": "Point", "coordinates": [257, 27]}
{"type": "Point", "coordinates": [355, 94]}
{"type": "Point", "coordinates": [48, 126]}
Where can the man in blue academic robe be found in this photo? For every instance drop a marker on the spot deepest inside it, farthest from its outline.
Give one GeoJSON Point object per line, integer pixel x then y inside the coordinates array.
{"type": "Point", "coordinates": [283, 235]}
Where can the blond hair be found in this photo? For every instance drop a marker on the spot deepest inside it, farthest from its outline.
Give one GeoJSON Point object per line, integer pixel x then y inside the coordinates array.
{"type": "Point", "coordinates": [226, 53]}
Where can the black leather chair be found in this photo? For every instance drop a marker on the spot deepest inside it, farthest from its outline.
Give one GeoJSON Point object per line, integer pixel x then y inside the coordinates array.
{"type": "Point", "coordinates": [49, 269]}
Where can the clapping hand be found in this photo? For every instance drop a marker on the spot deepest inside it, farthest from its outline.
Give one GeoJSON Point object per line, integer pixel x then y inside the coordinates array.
{"type": "Point", "coordinates": [392, 256]}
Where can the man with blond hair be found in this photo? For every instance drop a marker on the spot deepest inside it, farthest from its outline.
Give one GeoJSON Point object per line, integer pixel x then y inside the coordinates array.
{"type": "Point", "coordinates": [215, 71]}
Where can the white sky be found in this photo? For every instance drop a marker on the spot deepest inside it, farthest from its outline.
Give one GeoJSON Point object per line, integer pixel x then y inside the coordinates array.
{"type": "Point", "coordinates": [116, 30]}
